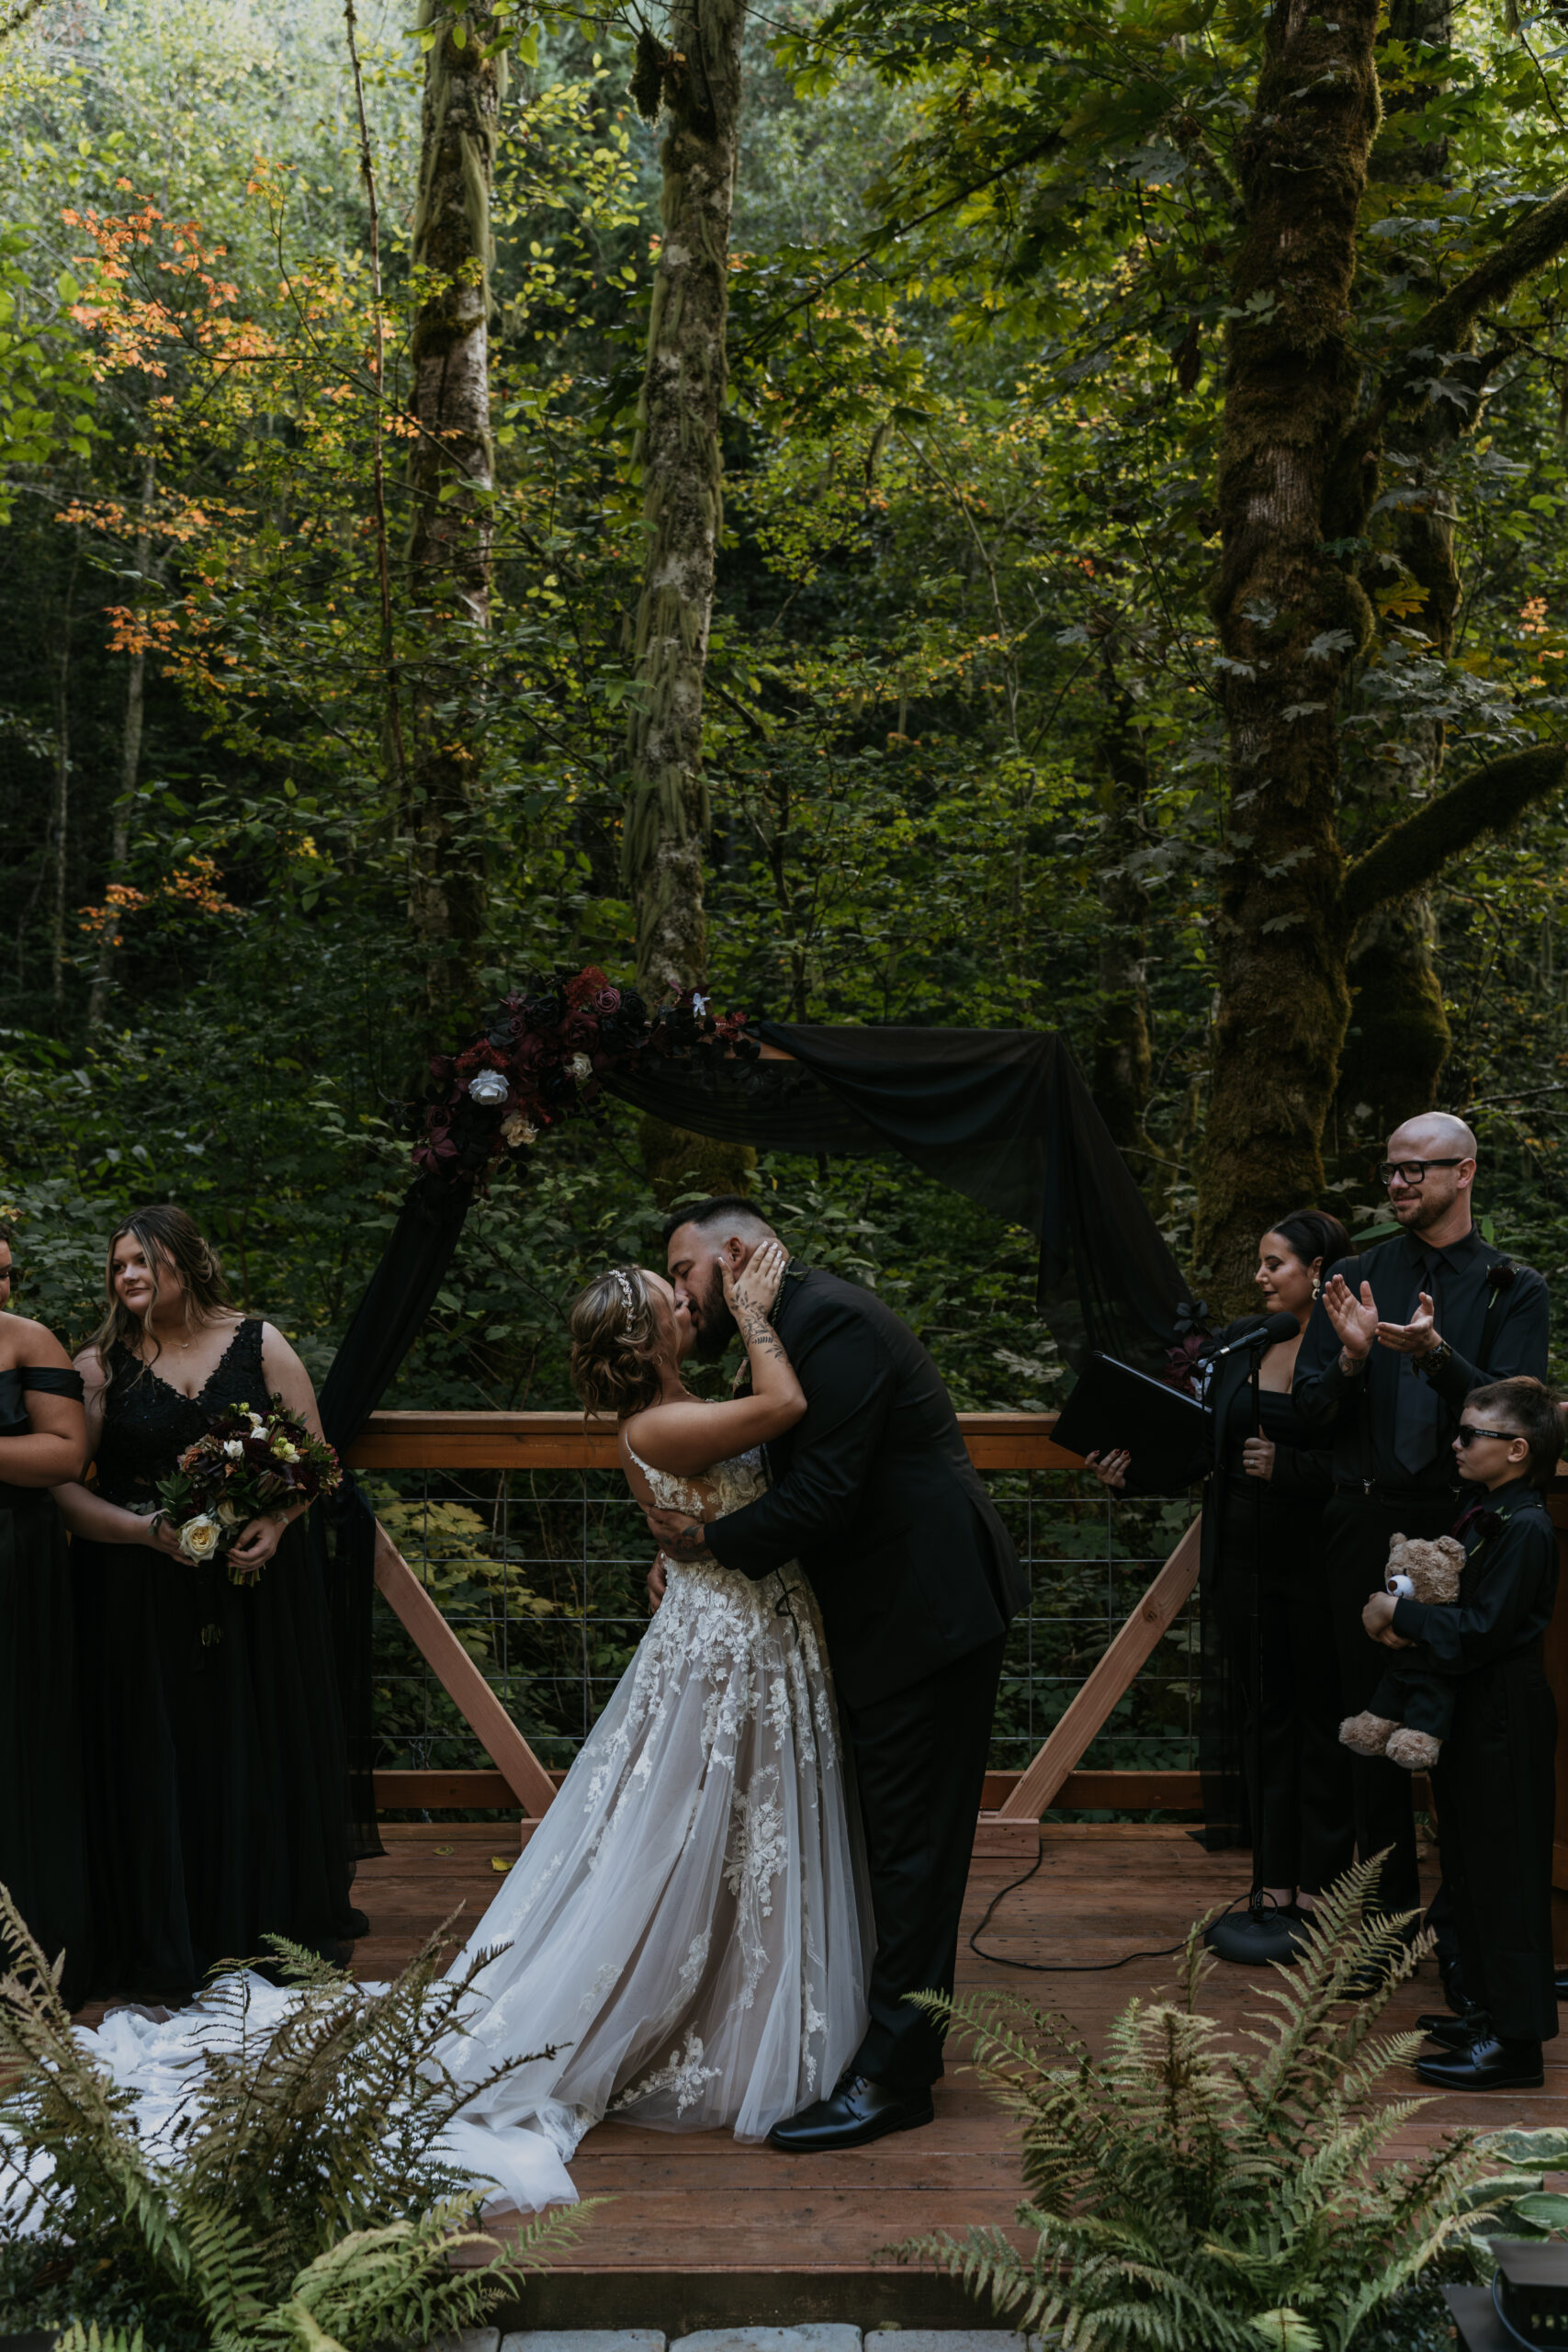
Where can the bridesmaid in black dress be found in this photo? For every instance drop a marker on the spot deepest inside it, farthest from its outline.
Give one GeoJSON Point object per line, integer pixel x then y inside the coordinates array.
{"type": "Point", "coordinates": [217, 1791]}
{"type": "Point", "coordinates": [42, 1441]}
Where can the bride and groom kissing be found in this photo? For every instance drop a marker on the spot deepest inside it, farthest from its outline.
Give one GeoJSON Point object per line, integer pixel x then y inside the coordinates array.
{"type": "Point", "coordinates": [762, 1849]}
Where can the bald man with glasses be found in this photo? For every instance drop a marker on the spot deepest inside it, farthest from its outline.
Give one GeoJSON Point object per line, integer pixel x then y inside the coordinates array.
{"type": "Point", "coordinates": [1399, 1338]}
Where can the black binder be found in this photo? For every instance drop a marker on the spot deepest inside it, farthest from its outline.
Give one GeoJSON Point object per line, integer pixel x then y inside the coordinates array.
{"type": "Point", "coordinates": [1168, 1435]}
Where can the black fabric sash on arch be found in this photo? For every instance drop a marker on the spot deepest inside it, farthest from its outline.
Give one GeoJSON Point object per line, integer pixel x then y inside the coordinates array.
{"type": "Point", "coordinates": [1001, 1115]}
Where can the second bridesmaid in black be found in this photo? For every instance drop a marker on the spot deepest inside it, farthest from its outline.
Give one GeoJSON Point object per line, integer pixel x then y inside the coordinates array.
{"type": "Point", "coordinates": [217, 1793]}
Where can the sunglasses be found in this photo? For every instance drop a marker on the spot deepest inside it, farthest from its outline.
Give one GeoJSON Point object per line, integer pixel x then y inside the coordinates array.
{"type": "Point", "coordinates": [1467, 1434]}
{"type": "Point", "coordinates": [1409, 1172]}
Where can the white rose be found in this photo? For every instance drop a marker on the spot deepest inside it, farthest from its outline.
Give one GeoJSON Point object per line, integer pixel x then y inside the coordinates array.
{"type": "Point", "coordinates": [198, 1536]}
{"type": "Point", "coordinates": [234, 1449]}
{"type": "Point", "coordinates": [515, 1129]}
{"type": "Point", "coordinates": [581, 1067]}
{"type": "Point", "coordinates": [227, 1516]}
{"type": "Point", "coordinates": [489, 1086]}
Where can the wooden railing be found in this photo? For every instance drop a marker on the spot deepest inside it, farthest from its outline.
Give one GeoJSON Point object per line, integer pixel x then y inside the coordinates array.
{"type": "Point", "coordinates": [523, 1442]}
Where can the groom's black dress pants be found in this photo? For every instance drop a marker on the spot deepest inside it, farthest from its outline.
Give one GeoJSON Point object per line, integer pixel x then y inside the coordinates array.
{"type": "Point", "coordinates": [920, 1760]}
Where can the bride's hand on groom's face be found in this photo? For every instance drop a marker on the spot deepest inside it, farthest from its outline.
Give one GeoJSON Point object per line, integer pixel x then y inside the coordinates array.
{"type": "Point", "coordinates": [758, 1284]}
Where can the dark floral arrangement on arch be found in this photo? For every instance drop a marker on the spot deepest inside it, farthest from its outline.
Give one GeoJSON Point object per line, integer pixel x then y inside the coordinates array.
{"type": "Point", "coordinates": [542, 1056]}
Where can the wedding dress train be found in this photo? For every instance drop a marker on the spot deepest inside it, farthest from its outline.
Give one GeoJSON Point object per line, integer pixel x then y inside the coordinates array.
{"type": "Point", "coordinates": [689, 1926]}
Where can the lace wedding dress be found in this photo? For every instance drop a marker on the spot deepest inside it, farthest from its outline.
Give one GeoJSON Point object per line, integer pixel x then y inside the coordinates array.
{"type": "Point", "coordinates": [691, 1916]}
{"type": "Point", "coordinates": [689, 1926]}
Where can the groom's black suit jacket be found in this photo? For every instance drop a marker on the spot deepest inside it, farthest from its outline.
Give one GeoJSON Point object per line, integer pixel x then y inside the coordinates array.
{"type": "Point", "coordinates": [875, 1493]}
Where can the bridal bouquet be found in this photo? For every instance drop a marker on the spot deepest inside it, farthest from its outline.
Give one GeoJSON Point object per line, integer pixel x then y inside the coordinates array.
{"type": "Point", "coordinates": [246, 1466]}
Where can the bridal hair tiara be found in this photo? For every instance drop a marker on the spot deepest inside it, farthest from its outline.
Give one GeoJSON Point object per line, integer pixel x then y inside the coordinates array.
{"type": "Point", "coordinates": [624, 1283]}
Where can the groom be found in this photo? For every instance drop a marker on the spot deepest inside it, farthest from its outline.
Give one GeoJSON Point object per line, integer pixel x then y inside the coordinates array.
{"type": "Point", "coordinates": [875, 1493]}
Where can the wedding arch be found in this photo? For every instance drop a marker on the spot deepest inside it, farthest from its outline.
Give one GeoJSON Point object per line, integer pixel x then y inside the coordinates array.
{"type": "Point", "coordinates": [1001, 1115]}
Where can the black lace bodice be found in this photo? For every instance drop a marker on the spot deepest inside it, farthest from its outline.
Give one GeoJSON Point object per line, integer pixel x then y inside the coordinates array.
{"type": "Point", "coordinates": [148, 1424]}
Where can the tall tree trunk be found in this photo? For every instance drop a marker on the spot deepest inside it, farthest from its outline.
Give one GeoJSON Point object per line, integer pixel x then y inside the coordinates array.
{"type": "Point", "coordinates": [1290, 619]}
{"type": "Point", "coordinates": [451, 475]}
{"type": "Point", "coordinates": [678, 455]}
{"type": "Point", "coordinates": [1123, 1060]}
{"type": "Point", "coordinates": [60, 814]}
{"type": "Point", "coordinates": [1399, 1036]}
{"type": "Point", "coordinates": [130, 754]}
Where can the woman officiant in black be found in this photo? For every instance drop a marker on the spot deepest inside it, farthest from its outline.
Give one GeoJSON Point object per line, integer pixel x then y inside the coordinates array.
{"type": "Point", "coordinates": [1265, 1488]}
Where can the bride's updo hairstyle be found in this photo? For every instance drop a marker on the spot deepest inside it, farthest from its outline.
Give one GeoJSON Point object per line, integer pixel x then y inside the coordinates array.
{"type": "Point", "coordinates": [173, 1245]}
{"type": "Point", "coordinates": [615, 1344]}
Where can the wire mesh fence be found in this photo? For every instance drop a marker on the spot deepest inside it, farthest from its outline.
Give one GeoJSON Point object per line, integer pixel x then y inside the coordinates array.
{"type": "Point", "coordinates": [542, 1575]}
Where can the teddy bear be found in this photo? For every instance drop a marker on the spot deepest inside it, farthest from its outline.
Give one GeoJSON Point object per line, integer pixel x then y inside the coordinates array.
{"type": "Point", "coordinates": [1412, 1709]}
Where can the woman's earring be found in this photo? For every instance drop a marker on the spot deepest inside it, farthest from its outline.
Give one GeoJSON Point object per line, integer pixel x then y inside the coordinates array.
{"type": "Point", "coordinates": [1316, 1288]}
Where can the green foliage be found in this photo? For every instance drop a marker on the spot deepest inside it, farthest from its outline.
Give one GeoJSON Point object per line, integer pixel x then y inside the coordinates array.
{"type": "Point", "coordinates": [298, 2196]}
{"type": "Point", "coordinates": [1181, 2193]}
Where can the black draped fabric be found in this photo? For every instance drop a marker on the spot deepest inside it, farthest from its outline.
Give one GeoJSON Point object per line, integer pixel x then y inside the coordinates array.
{"type": "Point", "coordinates": [1002, 1115]}
{"type": "Point", "coordinates": [342, 1529]}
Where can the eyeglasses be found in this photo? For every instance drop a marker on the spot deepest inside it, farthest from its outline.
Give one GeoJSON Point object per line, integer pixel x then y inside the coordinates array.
{"type": "Point", "coordinates": [1467, 1434]}
{"type": "Point", "coordinates": [1409, 1172]}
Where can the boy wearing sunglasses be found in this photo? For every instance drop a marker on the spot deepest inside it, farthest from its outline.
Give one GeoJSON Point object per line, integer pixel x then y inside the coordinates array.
{"type": "Point", "coordinates": [1495, 1781]}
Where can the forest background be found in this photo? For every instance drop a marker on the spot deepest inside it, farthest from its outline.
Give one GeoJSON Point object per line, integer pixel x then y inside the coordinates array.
{"type": "Point", "coordinates": [1136, 609]}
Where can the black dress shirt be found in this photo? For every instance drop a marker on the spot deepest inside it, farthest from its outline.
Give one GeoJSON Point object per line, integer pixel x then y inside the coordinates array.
{"type": "Point", "coordinates": [1507, 1588]}
{"type": "Point", "coordinates": [1362, 1408]}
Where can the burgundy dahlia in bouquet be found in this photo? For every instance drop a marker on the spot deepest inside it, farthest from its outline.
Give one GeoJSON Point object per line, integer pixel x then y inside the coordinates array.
{"type": "Point", "coordinates": [247, 1465]}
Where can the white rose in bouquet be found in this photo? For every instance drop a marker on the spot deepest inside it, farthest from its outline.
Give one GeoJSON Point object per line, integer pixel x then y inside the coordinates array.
{"type": "Point", "coordinates": [489, 1086]}
{"type": "Point", "coordinates": [234, 1449]}
{"type": "Point", "coordinates": [199, 1537]}
{"type": "Point", "coordinates": [581, 1067]}
{"type": "Point", "coordinates": [515, 1129]}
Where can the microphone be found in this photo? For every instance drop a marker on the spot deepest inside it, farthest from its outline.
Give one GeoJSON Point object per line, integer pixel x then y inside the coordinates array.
{"type": "Point", "coordinates": [1267, 1335]}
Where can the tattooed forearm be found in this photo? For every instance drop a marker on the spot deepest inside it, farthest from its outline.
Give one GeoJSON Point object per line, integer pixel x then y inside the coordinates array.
{"type": "Point", "coordinates": [759, 1335]}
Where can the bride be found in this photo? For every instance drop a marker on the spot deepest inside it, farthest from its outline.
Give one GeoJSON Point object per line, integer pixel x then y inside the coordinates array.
{"type": "Point", "coordinates": [690, 1923]}
{"type": "Point", "coordinates": [689, 1928]}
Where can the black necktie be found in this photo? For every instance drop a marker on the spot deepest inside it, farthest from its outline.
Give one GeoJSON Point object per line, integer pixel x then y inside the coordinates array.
{"type": "Point", "coordinates": [1417, 1410]}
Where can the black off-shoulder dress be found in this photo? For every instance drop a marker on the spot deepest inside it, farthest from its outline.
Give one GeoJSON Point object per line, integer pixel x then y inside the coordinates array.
{"type": "Point", "coordinates": [42, 1850]}
{"type": "Point", "coordinates": [216, 1781]}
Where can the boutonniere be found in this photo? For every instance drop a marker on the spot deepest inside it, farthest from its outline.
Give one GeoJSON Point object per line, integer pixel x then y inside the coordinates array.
{"type": "Point", "coordinates": [1481, 1518]}
{"type": "Point", "coordinates": [1503, 1275]}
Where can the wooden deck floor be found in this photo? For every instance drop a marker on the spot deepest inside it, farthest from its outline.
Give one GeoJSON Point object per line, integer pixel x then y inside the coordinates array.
{"type": "Point", "coordinates": [702, 2233]}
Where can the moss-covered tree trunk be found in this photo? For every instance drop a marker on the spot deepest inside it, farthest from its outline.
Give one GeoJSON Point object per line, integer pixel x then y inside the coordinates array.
{"type": "Point", "coordinates": [451, 481]}
{"type": "Point", "coordinates": [1291, 618]}
{"type": "Point", "coordinates": [1399, 1036]}
{"type": "Point", "coordinates": [699, 77]}
{"type": "Point", "coordinates": [1123, 1061]}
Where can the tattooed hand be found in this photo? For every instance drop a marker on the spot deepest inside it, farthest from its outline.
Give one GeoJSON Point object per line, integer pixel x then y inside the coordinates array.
{"type": "Point", "coordinates": [758, 1284]}
{"type": "Point", "coordinates": [751, 1294]}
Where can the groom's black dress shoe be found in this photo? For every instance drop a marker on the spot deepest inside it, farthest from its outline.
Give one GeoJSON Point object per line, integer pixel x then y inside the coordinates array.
{"type": "Point", "coordinates": [1457, 2033]}
{"type": "Point", "coordinates": [857, 2112]}
{"type": "Point", "coordinates": [1486, 2064]}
